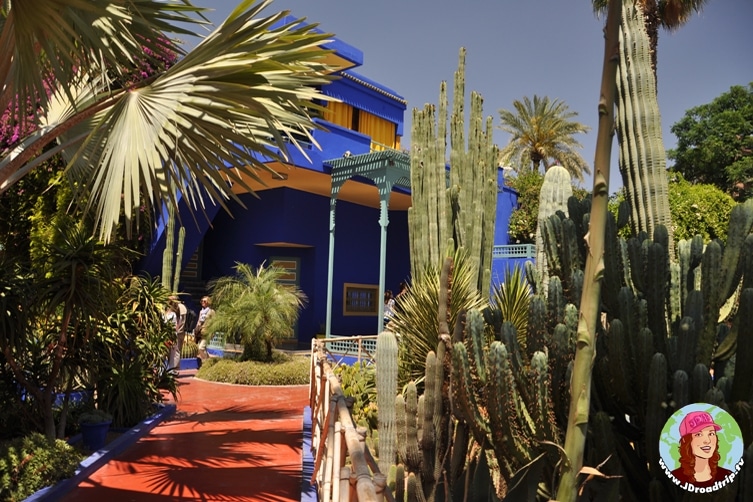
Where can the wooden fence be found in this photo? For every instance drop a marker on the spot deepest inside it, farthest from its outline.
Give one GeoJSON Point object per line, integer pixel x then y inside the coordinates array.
{"type": "Point", "coordinates": [344, 469]}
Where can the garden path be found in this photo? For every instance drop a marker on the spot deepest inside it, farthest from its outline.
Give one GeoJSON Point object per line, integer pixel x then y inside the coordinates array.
{"type": "Point", "coordinates": [225, 442]}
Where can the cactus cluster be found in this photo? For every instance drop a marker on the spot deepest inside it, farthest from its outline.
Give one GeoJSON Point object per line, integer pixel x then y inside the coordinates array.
{"type": "Point", "coordinates": [489, 409]}
{"type": "Point", "coordinates": [671, 331]}
{"type": "Point", "coordinates": [456, 208]}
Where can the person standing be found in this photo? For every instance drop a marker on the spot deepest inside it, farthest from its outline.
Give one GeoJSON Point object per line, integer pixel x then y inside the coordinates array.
{"type": "Point", "coordinates": [389, 306]}
{"type": "Point", "coordinates": [200, 333]}
{"type": "Point", "coordinates": [180, 323]}
{"type": "Point", "coordinates": [170, 316]}
{"type": "Point", "coordinates": [403, 289]}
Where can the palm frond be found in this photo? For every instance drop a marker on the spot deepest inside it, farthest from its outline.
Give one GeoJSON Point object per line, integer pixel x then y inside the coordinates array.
{"type": "Point", "coordinates": [46, 42]}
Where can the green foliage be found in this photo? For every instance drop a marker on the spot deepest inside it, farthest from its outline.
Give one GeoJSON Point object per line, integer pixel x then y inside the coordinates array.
{"type": "Point", "coordinates": [286, 370]}
{"type": "Point", "coordinates": [524, 219]}
{"type": "Point", "coordinates": [254, 305]}
{"type": "Point", "coordinates": [698, 209]}
{"type": "Point", "coordinates": [358, 381]}
{"type": "Point", "coordinates": [30, 463]}
{"type": "Point", "coordinates": [130, 354]}
{"type": "Point", "coordinates": [715, 140]}
{"type": "Point", "coordinates": [95, 416]}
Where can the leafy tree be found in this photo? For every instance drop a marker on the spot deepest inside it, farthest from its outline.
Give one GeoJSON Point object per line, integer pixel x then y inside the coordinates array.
{"type": "Point", "coordinates": [715, 141]}
{"type": "Point", "coordinates": [523, 220]}
{"type": "Point", "coordinates": [697, 209]}
{"type": "Point", "coordinates": [668, 14]}
{"type": "Point", "coordinates": [256, 306]}
{"type": "Point", "coordinates": [543, 133]}
{"type": "Point", "coordinates": [236, 98]}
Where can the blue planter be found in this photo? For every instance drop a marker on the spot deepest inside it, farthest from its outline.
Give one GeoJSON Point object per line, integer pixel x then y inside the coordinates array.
{"type": "Point", "coordinates": [93, 435]}
{"type": "Point", "coordinates": [189, 363]}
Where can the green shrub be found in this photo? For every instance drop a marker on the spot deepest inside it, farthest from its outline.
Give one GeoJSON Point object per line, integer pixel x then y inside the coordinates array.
{"type": "Point", "coordinates": [359, 382]}
{"type": "Point", "coordinates": [30, 463]}
{"type": "Point", "coordinates": [290, 371]}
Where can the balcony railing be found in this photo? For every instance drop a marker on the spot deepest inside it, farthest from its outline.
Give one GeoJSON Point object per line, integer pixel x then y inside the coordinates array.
{"type": "Point", "coordinates": [514, 251]}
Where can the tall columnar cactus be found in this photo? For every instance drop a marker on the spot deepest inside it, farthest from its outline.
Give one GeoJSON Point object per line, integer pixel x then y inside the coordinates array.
{"type": "Point", "coordinates": [171, 255]}
{"type": "Point", "coordinates": [460, 213]}
{"type": "Point", "coordinates": [555, 192]}
{"type": "Point", "coordinates": [642, 156]}
{"type": "Point", "coordinates": [386, 384]}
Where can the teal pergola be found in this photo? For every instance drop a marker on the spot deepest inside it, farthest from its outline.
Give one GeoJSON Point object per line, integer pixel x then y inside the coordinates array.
{"type": "Point", "coordinates": [387, 169]}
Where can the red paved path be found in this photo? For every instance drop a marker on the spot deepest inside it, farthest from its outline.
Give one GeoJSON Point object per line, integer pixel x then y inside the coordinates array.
{"type": "Point", "coordinates": [225, 443]}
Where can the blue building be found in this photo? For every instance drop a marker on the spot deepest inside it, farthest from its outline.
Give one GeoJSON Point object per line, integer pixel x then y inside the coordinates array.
{"type": "Point", "coordinates": [291, 219]}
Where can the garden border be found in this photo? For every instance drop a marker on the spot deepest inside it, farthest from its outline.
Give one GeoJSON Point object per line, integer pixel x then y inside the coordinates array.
{"type": "Point", "coordinates": [96, 460]}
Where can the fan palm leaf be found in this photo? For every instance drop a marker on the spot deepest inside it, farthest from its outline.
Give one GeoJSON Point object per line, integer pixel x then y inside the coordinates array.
{"type": "Point", "coordinates": [207, 122]}
{"type": "Point", "coordinates": [48, 41]}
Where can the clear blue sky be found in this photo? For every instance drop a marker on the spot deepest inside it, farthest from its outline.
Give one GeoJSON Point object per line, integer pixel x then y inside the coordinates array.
{"type": "Point", "coordinates": [518, 48]}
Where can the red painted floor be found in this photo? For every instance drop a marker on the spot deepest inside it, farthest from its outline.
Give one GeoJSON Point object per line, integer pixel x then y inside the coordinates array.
{"type": "Point", "coordinates": [224, 443]}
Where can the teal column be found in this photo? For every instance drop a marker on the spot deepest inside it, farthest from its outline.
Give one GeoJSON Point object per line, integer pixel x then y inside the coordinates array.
{"type": "Point", "coordinates": [383, 222]}
{"type": "Point", "coordinates": [331, 263]}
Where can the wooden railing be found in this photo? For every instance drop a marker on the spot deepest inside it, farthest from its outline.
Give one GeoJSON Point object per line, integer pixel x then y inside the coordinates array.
{"type": "Point", "coordinates": [344, 469]}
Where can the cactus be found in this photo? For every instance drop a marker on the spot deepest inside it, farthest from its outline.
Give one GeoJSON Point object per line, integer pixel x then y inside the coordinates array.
{"type": "Point", "coordinates": [642, 159]}
{"type": "Point", "coordinates": [171, 255]}
{"type": "Point", "coordinates": [556, 190]}
{"type": "Point", "coordinates": [461, 214]}
{"type": "Point", "coordinates": [386, 385]}
{"type": "Point", "coordinates": [189, 350]}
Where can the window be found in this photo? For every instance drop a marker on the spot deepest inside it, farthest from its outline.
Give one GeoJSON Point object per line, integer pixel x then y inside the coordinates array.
{"type": "Point", "coordinates": [360, 299]}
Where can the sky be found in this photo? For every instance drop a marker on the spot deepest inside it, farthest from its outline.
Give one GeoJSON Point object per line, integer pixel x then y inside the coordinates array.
{"type": "Point", "coordinates": [519, 48]}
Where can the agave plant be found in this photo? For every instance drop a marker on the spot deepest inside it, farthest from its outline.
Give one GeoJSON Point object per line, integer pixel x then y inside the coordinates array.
{"type": "Point", "coordinates": [510, 300]}
{"type": "Point", "coordinates": [255, 305]}
{"type": "Point", "coordinates": [416, 321]}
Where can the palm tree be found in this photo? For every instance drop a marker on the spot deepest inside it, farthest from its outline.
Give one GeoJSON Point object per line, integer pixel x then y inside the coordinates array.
{"type": "Point", "coordinates": [542, 132]}
{"type": "Point", "coordinates": [256, 306]}
{"type": "Point", "coordinates": [198, 126]}
{"type": "Point", "coordinates": [668, 14]}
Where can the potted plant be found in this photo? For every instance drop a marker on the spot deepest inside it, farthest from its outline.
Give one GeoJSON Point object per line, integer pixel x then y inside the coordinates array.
{"type": "Point", "coordinates": [94, 426]}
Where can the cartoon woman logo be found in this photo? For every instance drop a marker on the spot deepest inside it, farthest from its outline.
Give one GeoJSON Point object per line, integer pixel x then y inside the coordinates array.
{"type": "Point", "coordinates": [699, 449]}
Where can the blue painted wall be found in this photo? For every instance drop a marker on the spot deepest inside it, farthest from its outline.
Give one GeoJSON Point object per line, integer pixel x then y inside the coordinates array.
{"type": "Point", "coordinates": [507, 202]}
{"type": "Point", "coordinates": [292, 216]}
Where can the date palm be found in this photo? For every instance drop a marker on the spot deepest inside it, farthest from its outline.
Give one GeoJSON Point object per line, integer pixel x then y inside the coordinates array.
{"type": "Point", "coordinates": [668, 14]}
{"type": "Point", "coordinates": [198, 127]}
{"type": "Point", "coordinates": [255, 305]}
{"type": "Point", "coordinates": [543, 133]}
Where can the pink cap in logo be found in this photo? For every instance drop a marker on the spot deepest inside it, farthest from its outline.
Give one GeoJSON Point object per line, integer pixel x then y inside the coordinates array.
{"type": "Point", "coordinates": [696, 421]}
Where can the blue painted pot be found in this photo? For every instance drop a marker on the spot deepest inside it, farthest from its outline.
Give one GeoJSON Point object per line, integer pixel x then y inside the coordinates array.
{"type": "Point", "coordinates": [93, 435]}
